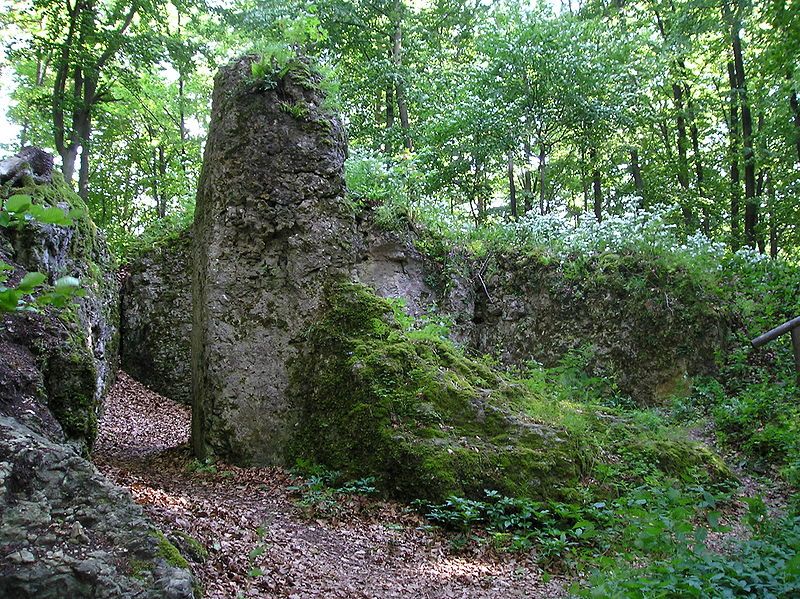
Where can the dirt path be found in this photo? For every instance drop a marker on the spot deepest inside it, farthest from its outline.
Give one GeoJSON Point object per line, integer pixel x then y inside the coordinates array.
{"type": "Point", "coordinates": [260, 545]}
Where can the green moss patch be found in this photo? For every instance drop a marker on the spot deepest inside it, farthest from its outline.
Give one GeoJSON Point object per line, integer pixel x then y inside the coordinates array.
{"type": "Point", "coordinates": [429, 420]}
{"type": "Point", "coordinates": [169, 552]}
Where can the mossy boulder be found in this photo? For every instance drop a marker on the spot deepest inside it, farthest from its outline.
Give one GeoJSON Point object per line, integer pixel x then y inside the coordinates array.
{"type": "Point", "coordinates": [75, 348]}
{"type": "Point", "coordinates": [430, 421]}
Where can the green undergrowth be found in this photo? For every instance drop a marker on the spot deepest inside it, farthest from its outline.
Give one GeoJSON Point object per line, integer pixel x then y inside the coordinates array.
{"type": "Point", "coordinates": [428, 421]}
{"type": "Point", "coordinates": [681, 564]}
{"type": "Point", "coordinates": [576, 535]}
{"type": "Point", "coordinates": [754, 399]}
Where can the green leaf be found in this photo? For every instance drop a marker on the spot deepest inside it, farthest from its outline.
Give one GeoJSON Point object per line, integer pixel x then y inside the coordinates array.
{"type": "Point", "coordinates": [67, 284]}
{"type": "Point", "coordinates": [256, 551]}
{"type": "Point", "coordinates": [51, 215]}
{"type": "Point", "coordinates": [18, 203]}
{"type": "Point", "coordinates": [9, 300]}
{"type": "Point", "coordinates": [31, 281]}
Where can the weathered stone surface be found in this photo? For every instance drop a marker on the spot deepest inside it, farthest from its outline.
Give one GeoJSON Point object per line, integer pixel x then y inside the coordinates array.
{"type": "Point", "coordinates": [76, 349]}
{"type": "Point", "coordinates": [156, 318]}
{"type": "Point", "coordinates": [65, 531]}
{"type": "Point", "coordinates": [649, 342]}
{"type": "Point", "coordinates": [389, 263]}
{"type": "Point", "coordinates": [29, 165]}
{"type": "Point", "coordinates": [271, 226]}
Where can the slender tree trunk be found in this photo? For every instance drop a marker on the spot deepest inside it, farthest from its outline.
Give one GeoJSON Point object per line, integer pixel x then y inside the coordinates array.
{"type": "Point", "coordinates": [542, 187]}
{"type": "Point", "coordinates": [636, 173]}
{"type": "Point", "coordinates": [527, 179]}
{"type": "Point", "coordinates": [680, 122]}
{"type": "Point", "coordinates": [597, 190]}
{"type": "Point", "coordinates": [773, 220]}
{"type": "Point", "coordinates": [733, 151]}
{"type": "Point", "coordinates": [400, 88]}
{"type": "Point", "coordinates": [663, 128]}
{"type": "Point", "coordinates": [795, 106]}
{"type": "Point", "coordinates": [751, 205]}
{"type": "Point", "coordinates": [512, 188]}
{"type": "Point", "coordinates": [697, 159]}
{"type": "Point", "coordinates": [60, 93]}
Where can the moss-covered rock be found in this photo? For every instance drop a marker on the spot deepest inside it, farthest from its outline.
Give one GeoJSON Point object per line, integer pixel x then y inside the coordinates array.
{"type": "Point", "coordinates": [76, 347]}
{"type": "Point", "coordinates": [430, 421]}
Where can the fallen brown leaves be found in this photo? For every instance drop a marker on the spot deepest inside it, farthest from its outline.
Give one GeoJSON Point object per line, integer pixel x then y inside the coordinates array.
{"type": "Point", "coordinates": [260, 545]}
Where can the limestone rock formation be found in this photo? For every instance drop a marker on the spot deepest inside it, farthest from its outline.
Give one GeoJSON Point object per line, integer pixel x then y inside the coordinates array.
{"type": "Point", "coordinates": [156, 318]}
{"type": "Point", "coordinates": [271, 226]}
{"type": "Point", "coordinates": [76, 350]}
{"type": "Point", "coordinates": [389, 263]}
{"type": "Point", "coordinates": [68, 532]}
{"type": "Point", "coordinates": [650, 342]}
{"type": "Point", "coordinates": [65, 531]}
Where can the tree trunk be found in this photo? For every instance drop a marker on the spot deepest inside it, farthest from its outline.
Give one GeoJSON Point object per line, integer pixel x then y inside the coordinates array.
{"type": "Point", "coordinates": [542, 167]}
{"type": "Point", "coordinates": [751, 205]}
{"type": "Point", "coordinates": [697, 159]}
{"type": "Point", "coordinates": [60, 95]}
{"type": "Point", "coordinates": [400, 89]}
{"type": "Point", "coordinates": [795, 106]}
{"type": "Point", "coordinates": [773, 221]}
{"type": "Point", "coordinates": [636, 172]}
{"type": "Point", "coordinates": [512, 188]}
{"type": "Point", "coordinates": [680, 122]}
{"type": "Point", "coordinates": [597, 190]}
{"type": "Point", "coordinates": [527, 180]}
{"type": "Point", "coordinates": [733, 151]}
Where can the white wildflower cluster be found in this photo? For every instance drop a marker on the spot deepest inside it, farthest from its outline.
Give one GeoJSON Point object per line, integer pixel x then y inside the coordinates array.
{"type": "Point", "coordinates": [652, 231]}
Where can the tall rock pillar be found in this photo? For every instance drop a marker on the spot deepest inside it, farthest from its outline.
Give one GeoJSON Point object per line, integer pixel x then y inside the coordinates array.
{"type": "Point", "coordinates": [271, 227]}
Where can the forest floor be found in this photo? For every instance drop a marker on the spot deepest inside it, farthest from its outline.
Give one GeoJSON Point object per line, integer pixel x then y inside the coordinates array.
{"type": "Point", "coordinates": [262, 543]}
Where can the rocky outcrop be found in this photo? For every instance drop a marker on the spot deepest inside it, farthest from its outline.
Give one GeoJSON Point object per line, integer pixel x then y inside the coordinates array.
{"type": "Point", "coordinates": [68, 532]}
{"type": "Point", "coordinates": [156, 318]}
{"type": "Point", "coordinates": [271, 227]}
{"type": "Point", "coordinates": [626, 318]}
{"type": "Point", "coordinates": [64, 530]}
{"type": "Point", "coordinates": [29, 165]}
{"type": "Point", "coordinates": [389, 263]}
{"type": "Point", "coordinates": [76, 349]}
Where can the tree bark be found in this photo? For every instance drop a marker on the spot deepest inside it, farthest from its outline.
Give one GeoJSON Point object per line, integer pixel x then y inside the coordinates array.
{"type": "Point", "coordinates": [636, 173]}
{"type": "Point", "coordinates": [733, 152]}
{"type": "Point", "coordinates": [751, 205]}
{"type": "Point", "coordinates": [527, 180]}
{"type": "Point", "coordinates": [795, 106]}
{"type": "Point", "coordinates": [542, 167]}
{"type": "Point", "coordinates": [85, 80]}
{"type": "Point", "coordinates": [399, 87]}
{"type": "Point", "coordinates": [597, 190]}
{"type": "Point", "coordinates": [773, 221]}
{"type": "Point", "coordinates": [512, 188]}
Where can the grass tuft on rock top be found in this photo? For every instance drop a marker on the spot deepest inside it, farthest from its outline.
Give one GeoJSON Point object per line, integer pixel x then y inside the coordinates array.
{"type": "Point", "coordinates": [410, 408]}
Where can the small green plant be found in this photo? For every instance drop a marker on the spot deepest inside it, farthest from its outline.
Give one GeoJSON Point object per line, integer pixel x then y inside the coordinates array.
{"type": "Point", "coordinates": [767, 565]}
{"type": "Point", "coordinates": [207, 466]}
{"type": "Point", "coordinates": [297, 110]}
{"type": "Point", "coordinates": [31, 292]}
{"type": "Point", "coordinates": [322, 492]}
